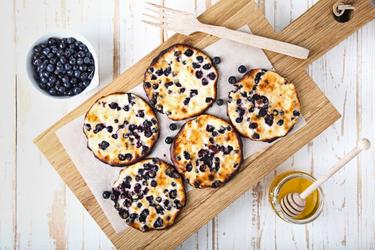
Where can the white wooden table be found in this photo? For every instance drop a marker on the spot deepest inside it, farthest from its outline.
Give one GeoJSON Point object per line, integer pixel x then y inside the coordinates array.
{"type": "Point", "coordinates": [37, 211]}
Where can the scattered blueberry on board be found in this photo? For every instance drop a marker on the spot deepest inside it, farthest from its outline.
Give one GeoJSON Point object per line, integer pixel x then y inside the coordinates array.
{"type": "Point", "coordinates": [173, 126]}
{"type": "Point", "coordinates": [216, 60]}
{"type": "Point", "coordinates": [106, 194]}
{"type": "Point", "coordinates": [232, 79]}
{"type": "Point", "coordinates": [242, 69]}
{"type": "Point", "coordinates": [219, 102]}
{"type": "Point", "coordinates": [169, 140]}
{"type": "Point", "coordinates": [62, 66]}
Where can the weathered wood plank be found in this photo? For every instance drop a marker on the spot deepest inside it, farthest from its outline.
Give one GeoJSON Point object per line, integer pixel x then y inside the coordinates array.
{"type": "Point", "coordinates": [8, 126]}
{"type": "Point", "coordinates": [365, 128]}
{"type": "Point", "coordinates": [50, 220]}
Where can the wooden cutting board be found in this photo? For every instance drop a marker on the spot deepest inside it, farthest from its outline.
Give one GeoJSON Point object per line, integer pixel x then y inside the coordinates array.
{"type": "Point", "coordinates": [316, 30]}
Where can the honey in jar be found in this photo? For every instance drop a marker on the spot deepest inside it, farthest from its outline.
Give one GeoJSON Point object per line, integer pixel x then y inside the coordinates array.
{"type": "Point", "coordinates": [295, 182]}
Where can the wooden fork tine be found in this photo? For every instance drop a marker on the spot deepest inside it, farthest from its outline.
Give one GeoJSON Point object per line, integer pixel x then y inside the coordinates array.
{"type": "Point", "coordinates": [160, 25]}
{"type": "Point", "coordinates": [177, 12]}
{"type": "Point", "coordinates": [173, 11]}
{"type": "Point", "coordinates": [159, 19]}
{"type": "Point", "coordinates": [155, 18]}
{"type": "Point", "coordinates": [153, 10]}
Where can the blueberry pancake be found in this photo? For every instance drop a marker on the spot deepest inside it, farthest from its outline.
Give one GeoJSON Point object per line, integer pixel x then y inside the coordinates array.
{"type": "Point", "coordinates": [264, 106]}
{"type": "Point", "coordinates": [121, 129]}
{"type": "Point", "coordinates": [181, 82]}
{"type": "Point", "coordinates": [149, 194]}
{"type": "Point", "coordinates": [207, 151]}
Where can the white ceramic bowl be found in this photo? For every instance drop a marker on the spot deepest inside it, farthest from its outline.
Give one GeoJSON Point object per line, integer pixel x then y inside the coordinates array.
{"type": "Point", "coordinates": [62, 34]}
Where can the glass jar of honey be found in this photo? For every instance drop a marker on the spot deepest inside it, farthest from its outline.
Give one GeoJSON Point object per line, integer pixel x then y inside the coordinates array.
{"type": "Point", "coordinates": [295, 182]}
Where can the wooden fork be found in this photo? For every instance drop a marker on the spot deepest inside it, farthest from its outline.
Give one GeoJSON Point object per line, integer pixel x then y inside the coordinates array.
{"type": "Point", "coordinates": [186, 23]}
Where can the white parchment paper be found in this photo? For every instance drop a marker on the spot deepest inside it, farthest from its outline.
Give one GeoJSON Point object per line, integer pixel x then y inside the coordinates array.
{"type": "Point", "coordinates": [99, 176]}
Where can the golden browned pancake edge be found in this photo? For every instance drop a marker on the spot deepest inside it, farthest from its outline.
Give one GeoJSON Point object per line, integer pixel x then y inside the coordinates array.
{"type": "Point", "coordinates": [207, 151]}
{"type": "Point", "coordinates": [120, 132]}
{"type": "Point", "coordinates": [181, 82]}
{"type": "Point", "coordinates": [149, 194]}
{"type": "Point", "coordinates": [264, 106]}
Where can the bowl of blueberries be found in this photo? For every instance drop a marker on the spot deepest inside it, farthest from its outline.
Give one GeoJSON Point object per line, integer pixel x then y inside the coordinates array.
{"type": "Point", "coordinates": [62, 65]}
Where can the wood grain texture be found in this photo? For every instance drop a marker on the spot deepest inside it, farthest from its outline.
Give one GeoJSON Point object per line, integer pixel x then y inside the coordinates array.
{"type": "Point", "coordinates": [344, 74]}
{"type": "Point", "coordinates": [8, 129]}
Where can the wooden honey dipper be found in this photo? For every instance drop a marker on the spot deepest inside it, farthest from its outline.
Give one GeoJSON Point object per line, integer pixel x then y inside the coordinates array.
{"type": "Point", "coordinates": [293, 204]}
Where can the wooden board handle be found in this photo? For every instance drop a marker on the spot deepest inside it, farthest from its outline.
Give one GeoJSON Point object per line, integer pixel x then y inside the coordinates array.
{"type": "Point", "coordinates": [318, 31]}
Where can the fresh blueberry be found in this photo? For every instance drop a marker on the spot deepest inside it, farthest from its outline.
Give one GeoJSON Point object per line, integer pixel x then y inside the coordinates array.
{"type": "Point", "coordinates": [106, 194]}
{"type": "Point", "coordinates": [67, 85]}
{"type": "Point", "coordinates": [52, 79]}
{"type": "Point", "coordinates": [296, 113]}
{"type": "Point", "coordinates": [216, 60]}
{"type": "Point", "coordinates": [37, 62]}
{"type": "Point", "coordinates": [70, 40]}
{"type": "Point", "coordinates": [84, 76]}
{"type": "Point", "coordinates": [61, 89]}
{"type": "Point", "coordinates": [50, 68]}
{"type": "Point", "coordinates": [51, 40]}
{"type": "Point", "coordinates": [59, 69]}
{"type": "Point", "coordinates": [242, 69]}
{"type": "Point", "coordinates": [42, 85]}
{"type": "Point", "coordinates": [43, 80]}
{"type": "Point", "coordinates": [82, 47]}
{"type": "Point", "coordinates": [232, 79]}
{"type": "Point", "coordinates": [219, 102]}
{"type": "Point", "coordinates": [72, 60]}
{"type": "Point", "coordinates": [84, 68]}
{"type": "Point", "coordinates": [37, 48]}
{"type": "Point", "coordinates": [86, 83]}
{"type": "Point", "coordinates": [59, 53]}
{"type": "Point", "coordinates": [65, 79]}
{"type": "Point", "coordinates": [81, 54]}
{"type": "Point", "coordinates": [77, 73]}
{"type": "Point", "coordinates": [68, 67]}
{"type": "Point", "coordinates": [173, 126]}
{"type": "Point", "coordinates": [46, 51]}
{"type": "Point", "coordinates": [86, 60]}
{"type": "Point", "coordinates": [77, 90]}
{"type": "Point", "coordinates": [52, 91]}
{"type": "Point", "coordinates": [90, 68]}
{"type": "Point", "coordinates": [79, 61]}
{"type": "Point", "coordinates": [73, 80]}
{"type": "Point", "coordinates": [168, 140]}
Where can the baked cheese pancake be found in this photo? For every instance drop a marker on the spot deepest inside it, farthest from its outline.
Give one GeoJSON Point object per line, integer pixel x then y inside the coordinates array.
{"type": "Point", "coordinates": [207, 151]}
{"type": "Point", "coordinates": [149, 194]}
{"type": "Point", "coordinates": [181, 82]}
{"type": "Point", "coordinates": [264, 106]}
{"type": "Point", "coordinates": [121, 129]}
